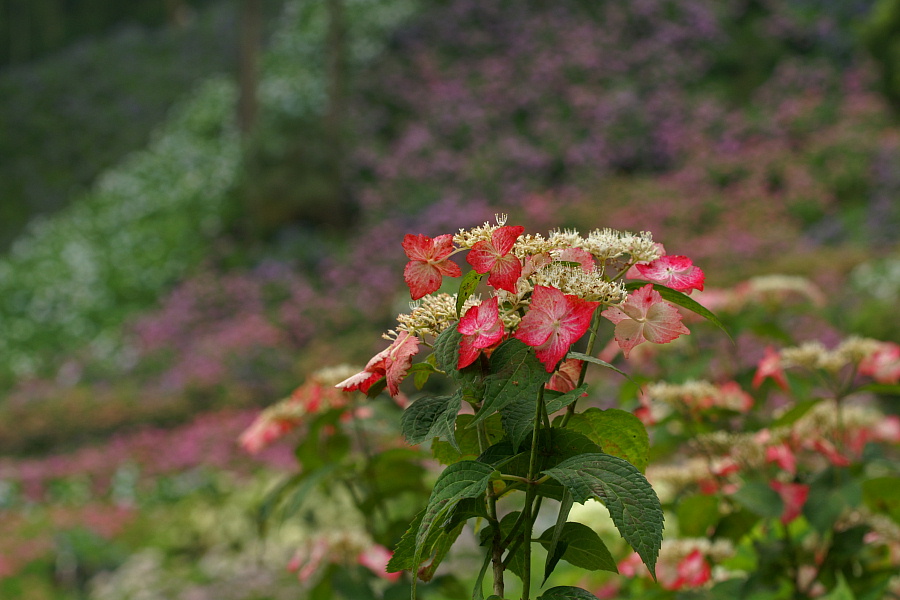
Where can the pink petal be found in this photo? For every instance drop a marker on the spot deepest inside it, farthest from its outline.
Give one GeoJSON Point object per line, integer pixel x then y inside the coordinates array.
{"type": "Point", "coordinates": [504, 238]}
{"type": "Point", "coordinates": [481, 328]}
{"type": "Point", "coordinates": [663, 323]}
{"type": "Point", "coordinates": [770, 366]}
{"type": "Point", "coordinates": [422, 278]}
{"type": "Point", "coordinates": [399, 360]}
{"type": "Point", "coordinates": [553, 323]}
{"type": "Point", "coordinates": [676, 272]}
{"type": "Point", "coordinates": [579, 255]}
{"type": "Point", "coordinates": [505, 273]}
{"type": "Point", "coordinates": [794, 496]}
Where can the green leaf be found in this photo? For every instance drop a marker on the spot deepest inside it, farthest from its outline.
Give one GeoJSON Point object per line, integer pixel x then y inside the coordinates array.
{"type": "Point", "coordinates": [697, 514]}
{"type": "Point", "coordinates": [518, 420]}
{"type": "Point", "coordinates": [584, 548]}
{"type": "Point", "coordinates": [376, 388]}
{"type": "Point", "coordinates": [465, 479]}
{"type": "Point", "coordinates": [466, 288]}
{"type": "Point", "coordinates": [466, 440]}
{"type": "Point", "coordinates": [421, 372]}
{"type": "Point", "coordinates": [438, 544]}
{"type": "Point", "coordinates": [430, 417]}
{"type": "Point", "coordinates": [555, 550]}
{"type": "Point", "coordinates": [567, 592]}
{"type": "Point", "coordinates": [286, 499]}
{"type": "Point", "coordinates": [793, 414]}
{"type": "Point", "coordinates": [464, 510]}
{"type": "Point", "coordinates": [564, 444]}
{"type": "Point", "coordinates": [478, 591]}
{"type": "Point", "coordinates": [882, 495]}
{"type": "Point", "coordinates": [760, 499]}
{"type": "Point", "coordinates": [629, 497]}
{"type": "Point", "coordinates": [556, 401]}
{"type": "Point", "coordinates": [683, 300]}
{"type": "Point", "coordinates": [618, 432]}
{"type": "Point", "coordinates": [516, 374]}
{"type": "Point", "coordinates": [517, 562]}
{"type": "Point", "coordinates": [885, 389]}
{"type": "Point", "coordinates": [597, 361]}
{"type": "Point", "coordinates": [841, 592]}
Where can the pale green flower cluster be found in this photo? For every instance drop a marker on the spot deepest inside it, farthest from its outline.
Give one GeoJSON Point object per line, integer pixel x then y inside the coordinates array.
{"type": "Point", "coordinates": [591, 286]}
{"type": "Point", "coordinates": [814, 355]}
{"type": "Point", "coordinates": [431, 315]}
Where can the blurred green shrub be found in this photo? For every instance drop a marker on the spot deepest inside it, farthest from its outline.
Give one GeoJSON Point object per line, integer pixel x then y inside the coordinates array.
{"type": "Point", "coordinates": [69, 281]}
{"type": "Point", "coordinates": [71, 116]}
{"type": "Point", "coordinates": [881, 35]}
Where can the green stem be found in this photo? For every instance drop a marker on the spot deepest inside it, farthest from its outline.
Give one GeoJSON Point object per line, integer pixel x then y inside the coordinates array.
{"type": "Point", "coordinates": [530, 492]}
{"type": "Point", "coordinates": [497, 534]}
{"type": "Point", "coordinates": [592, 339]}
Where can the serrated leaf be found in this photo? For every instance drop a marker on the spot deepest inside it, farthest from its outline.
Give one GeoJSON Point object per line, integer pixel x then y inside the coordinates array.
{"type": "Point", "coordinates": [464, 510]}
{"type": "Point", "coordinates": [597, 361]}
{"type": "Point", "coordinates": [559, 401]}
{"type": "Point", "coordinates": [564, 444]}
{"type": "Point", "coordinates": [431, 417]}
{"type": "Point", "coordinates": [683, 300]}
{"type": "Point", "coordinates": [421, 372]}
{"type": "Point", "coordinates": [436, 547]}
{"type": "Point", "coordinates": [567, 592]}
{"type": "Point", "coordinates": [584, 548]}
{"type": "Point", "coordinates": [518, 420]}
{"type": "Point", "coordinates": [516, 374]}
{"type": "Point", "coordinates": [465, 479]}
{"type": "Point", "coordinates": [626, 493]}
{"type": "Point", "coordinates": [466, 440]}
{"type": "Point", "coordinates": [466, 288]}
{"type": "Point", "coordinates": [618, 432]}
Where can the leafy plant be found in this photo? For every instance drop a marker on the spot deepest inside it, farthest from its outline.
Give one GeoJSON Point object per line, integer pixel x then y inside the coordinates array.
{"type": "Point", "coordinates": [512, 363]}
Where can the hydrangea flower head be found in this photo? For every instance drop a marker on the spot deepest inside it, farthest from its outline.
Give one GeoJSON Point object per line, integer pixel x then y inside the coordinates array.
{"type": "Point", "coordinates": [428, 262]}
{"type": "Point", "coordinates": [495, 256]}
{"type": "Point", "coordinates": [645, 317]}
{"type": "Point", "coordinates": [554, 322]}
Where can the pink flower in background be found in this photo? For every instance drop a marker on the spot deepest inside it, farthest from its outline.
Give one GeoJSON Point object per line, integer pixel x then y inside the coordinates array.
{"type": "Point", "coordinates": [481, 328]}
{"type": "Point", "coordinates": [494, 257]}
{"type": "Point", "coordinates": [691, 572]}
{"type": "Point", "coordinates": [376, 558]}
{"type": "Point", "coordinates": [783, 456]}
{"type": "Point", "coordinates": [676, 272]}
{"type": "Point", "coordinates": [553, 323]}
{"type": "Point", "coordinates": [883, 365]}
{"type": "Point", "coordinates": [392, 363]}
{"type": "Point", "coordinates": [645, 317]}
{"type": "Point", "coordinates": [770, 366]}
{"type": "Point", "coordinates": [793, 495]}
{"type": "Point", "coordinates": [428, 263]}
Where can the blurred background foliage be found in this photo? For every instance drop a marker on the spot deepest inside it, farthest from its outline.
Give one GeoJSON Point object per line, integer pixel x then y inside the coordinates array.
{"type": "Point", "coordinates": [202, 199]}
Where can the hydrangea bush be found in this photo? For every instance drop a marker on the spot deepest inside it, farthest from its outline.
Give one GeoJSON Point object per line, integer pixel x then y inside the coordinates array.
{"type": "Point", "coordinates": [508, 430]}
